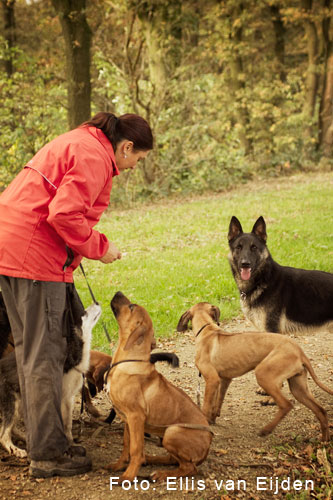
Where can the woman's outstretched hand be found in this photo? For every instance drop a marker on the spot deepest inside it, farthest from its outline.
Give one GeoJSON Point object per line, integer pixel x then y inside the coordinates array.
{"type": "Point", "coordinates": [111, 255]}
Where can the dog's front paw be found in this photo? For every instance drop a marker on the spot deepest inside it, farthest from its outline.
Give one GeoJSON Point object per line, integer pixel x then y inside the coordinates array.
{"type": "Point", "coordinates": [269, 401]}
{"type": "Point", "coordinates": [264, 431]}
{"type": "Point", "coordinates": [120, 465]}
{"type": "Point", "coordinates": [126, 477]}
{"type": "Point", "coordinates": [159, 475]}
{"type": "Point", "coordinates": [261, 392]}
{"type": "Point", "coordinates": [18, 452]}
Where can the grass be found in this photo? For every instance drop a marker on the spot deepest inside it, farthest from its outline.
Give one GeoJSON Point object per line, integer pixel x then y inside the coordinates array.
{"type": "Point", "coordinates": [175, 253]}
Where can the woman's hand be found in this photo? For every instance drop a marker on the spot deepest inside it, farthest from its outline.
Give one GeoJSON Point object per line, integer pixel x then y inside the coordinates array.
{"type": "Point", "coordinates": [111, 255]}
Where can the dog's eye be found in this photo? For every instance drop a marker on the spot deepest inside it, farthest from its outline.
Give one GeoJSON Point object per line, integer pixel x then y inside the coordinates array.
{"type": "Point", "coordinates": [239, 247]}
{"type": "Point", "coordinates": [253, 247]}
{"type": "Point", "coordinates": [132, 306]}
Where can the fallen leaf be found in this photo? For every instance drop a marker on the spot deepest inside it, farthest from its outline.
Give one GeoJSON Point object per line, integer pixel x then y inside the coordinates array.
{"type": "Point", "coordinates": [221, 451]}
{"type": "Point", "coordinates": [322, 459]}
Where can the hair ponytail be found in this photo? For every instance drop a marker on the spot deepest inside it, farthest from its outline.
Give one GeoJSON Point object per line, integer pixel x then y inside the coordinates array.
{"type": "Point", "coordinates": [129, 126]}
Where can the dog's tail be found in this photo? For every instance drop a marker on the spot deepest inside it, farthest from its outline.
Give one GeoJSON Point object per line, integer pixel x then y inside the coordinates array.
{"type": "Point", "coordinates": [306, 362]}
{"type": "Point", "coordinates": [171, 358]}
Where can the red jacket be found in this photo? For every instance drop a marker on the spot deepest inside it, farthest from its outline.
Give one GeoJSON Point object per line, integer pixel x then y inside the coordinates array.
{"type": "Point", "coordinates": [55, 201]}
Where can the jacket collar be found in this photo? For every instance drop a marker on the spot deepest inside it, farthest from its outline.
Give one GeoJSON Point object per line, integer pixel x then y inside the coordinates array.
{"type": "Point", "coordinates": [107, 146]}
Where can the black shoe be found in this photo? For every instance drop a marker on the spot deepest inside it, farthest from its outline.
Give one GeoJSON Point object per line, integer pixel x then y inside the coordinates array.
{"type": "Point", "coordinates": [66, 465]}
{"type": "Point", "coordinates": [76, 451]}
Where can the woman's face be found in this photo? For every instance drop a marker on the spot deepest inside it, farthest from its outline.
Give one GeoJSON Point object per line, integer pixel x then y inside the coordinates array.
{"type": "Point", "coordinates": [126, 156]}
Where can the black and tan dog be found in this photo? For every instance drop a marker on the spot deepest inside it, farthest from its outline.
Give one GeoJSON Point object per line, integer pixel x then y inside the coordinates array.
{"type": "Point", "coordinates": [277, 298]}
{"type": "Point", "coordinates": [221, 356]}
{"type": "Point", "coordinates": [146, 401]}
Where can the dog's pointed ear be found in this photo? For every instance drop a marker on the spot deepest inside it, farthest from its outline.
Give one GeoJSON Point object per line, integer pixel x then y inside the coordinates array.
{"type": "Point", "coordinates": [215, 314]}
{"type": "Point", "coordinates": [136, 337]}
{"type": "Point", "coordinates": [184, 321]}
{"type": "Point", "coordinates": [235, 228]}
{"type": "Point", "coordinates": [259, 229]}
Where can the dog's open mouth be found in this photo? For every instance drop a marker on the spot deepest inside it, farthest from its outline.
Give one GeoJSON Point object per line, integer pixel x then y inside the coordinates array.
{"type": "Point", "coordinates": [245, 273]}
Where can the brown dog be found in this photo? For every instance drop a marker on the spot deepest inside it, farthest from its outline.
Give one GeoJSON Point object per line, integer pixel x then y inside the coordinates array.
{"type": "Point", "coordinates": [98, 365]}
{"type": "Point", "coordinates": [222, 356]}
{"type": "Point", "coordinates": [147, 402]}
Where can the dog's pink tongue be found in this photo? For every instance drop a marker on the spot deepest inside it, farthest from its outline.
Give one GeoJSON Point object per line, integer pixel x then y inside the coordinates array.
{"type": "Point", "coordinates": [246, 273]}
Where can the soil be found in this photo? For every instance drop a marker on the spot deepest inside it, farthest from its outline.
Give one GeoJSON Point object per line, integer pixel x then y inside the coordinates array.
{"type": "Point", "coordinates": [238, 456]}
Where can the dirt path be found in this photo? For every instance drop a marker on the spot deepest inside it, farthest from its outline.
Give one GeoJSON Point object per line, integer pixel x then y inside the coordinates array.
{"type": "Point", "coordinates": [238, 457]}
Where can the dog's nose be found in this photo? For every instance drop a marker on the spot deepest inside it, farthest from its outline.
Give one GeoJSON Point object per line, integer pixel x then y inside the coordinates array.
{"type": "Point", "coordinates": [245, 263]}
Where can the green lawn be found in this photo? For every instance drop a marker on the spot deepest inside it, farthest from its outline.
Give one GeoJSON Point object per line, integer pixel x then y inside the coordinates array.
{"type": "Point", "coordinates": [175, 253]}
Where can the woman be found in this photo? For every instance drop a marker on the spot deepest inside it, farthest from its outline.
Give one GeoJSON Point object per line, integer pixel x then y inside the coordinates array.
{"type": "Point", "coordinates": [47, 217]}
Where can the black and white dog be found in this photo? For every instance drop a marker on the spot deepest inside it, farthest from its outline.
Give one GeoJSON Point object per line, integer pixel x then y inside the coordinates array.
{"type": "Point", "coordinates": [277, 298]}
{"type": "Point", "coordinates": [77, 363]}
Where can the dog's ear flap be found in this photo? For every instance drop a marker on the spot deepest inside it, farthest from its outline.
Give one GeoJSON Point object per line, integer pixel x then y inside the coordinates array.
{"type": "Point", "coordinates": [235, 228]}
{"type": "Point", "coordinates": [259, 229]}
{"type": "Point", "coordinates": [184, 321]}
{"type": "Point", "coordinates": [215, 313]}
{"type": "Point", "coordinates": [99, 377]}
{"type": "Point", "coordinates": [136, 337]}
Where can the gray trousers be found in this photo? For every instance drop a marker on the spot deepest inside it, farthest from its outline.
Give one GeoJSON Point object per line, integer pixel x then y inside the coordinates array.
{"type": "Point", "coordinates": [36, 312]}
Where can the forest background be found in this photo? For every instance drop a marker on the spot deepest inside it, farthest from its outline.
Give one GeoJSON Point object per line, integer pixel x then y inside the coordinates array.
{"type": "Point", "coordinates": [233, 90]}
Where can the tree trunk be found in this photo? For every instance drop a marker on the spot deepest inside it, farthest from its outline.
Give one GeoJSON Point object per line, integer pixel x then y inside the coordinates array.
{"type": "Point", "coordinates": [237, 86]}
{"type": "Point", "coordinates": [77, 37]}
{"type": "Point", "coordinates": [279, 31]}
{"type": "Point", "coordinates": [312, 78]}
{"type": "Point", "coordinates": [326, 111]}
{"type": "Point", "coordinates": [9, 33]}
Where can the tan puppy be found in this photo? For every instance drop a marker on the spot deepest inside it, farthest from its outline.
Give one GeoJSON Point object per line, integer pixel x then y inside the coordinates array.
{"type": "Point", "coordinates": [222, 356]}
{"type": "Point", "coordinates": [98, 365]}
{"type": "Point", "coordinates": [147, 402]}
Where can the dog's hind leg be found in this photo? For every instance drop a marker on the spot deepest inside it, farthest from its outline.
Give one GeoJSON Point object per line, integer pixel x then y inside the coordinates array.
{"type": "Point", "coordinates": [299, 387]}
{"type": "Point", "coordinates": [184, 469]}
{"type": "Point", "coordinates": [161, 460]}
{"type": "Point", "coordinates": [272, 386]}
{"type": "Point", "coordinates": [187, 447]}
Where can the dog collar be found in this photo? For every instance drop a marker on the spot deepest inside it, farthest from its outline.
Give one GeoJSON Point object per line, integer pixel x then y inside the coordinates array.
{"type": "Point", "coordinates": [207, 324]}
{"type": "Point", "coordinates": [118, 363]}
{"type": "Point", "coordinates": [128, 361]}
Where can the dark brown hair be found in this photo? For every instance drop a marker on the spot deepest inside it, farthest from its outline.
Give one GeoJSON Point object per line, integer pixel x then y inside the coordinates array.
{"type": "Point", "coordinates": [129, 126]}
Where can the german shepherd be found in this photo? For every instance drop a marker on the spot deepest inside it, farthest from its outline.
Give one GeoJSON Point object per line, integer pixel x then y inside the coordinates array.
{"type": "Point", "coordinates": [277, 298]}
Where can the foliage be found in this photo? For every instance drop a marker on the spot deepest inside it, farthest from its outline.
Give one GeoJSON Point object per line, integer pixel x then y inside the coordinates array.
{"type": "Point", "coordinates": [26, 127]}
{"type": "Point", "coordinates": [306, 461]}
{"type": "Point", "coordinates": [225, 106]}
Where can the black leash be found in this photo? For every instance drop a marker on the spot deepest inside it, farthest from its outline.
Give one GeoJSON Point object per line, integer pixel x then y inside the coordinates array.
{"type": "Point", "coordinates": [95, 301]}
{"type": "Point", "coordinates": [89, 287]}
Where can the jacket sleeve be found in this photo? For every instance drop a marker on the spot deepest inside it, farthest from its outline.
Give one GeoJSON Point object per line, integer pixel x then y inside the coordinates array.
{"type": "Point", "coordinates": [80, 200]}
